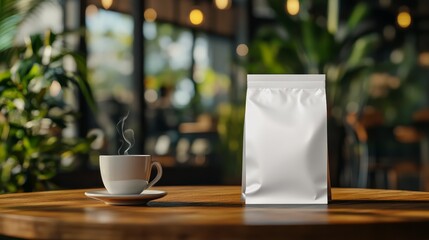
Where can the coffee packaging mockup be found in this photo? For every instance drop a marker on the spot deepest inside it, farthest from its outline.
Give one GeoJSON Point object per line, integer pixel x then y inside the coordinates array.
{"type": "Point", "coordinates": [285, 140]}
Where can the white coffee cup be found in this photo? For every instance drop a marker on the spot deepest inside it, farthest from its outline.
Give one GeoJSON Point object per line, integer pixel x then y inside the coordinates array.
{"type": "Point", "coordinates": [128, 174]}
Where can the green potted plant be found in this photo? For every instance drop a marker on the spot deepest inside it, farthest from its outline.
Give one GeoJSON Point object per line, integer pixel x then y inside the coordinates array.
{"type": "Point", "coordinates": [34, 114]}
{"type": "Point", "coordinates": [13, 13]}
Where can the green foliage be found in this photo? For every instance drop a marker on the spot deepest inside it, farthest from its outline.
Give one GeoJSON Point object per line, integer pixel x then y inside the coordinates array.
{"type": "Point", "coordinates": [230, 129]}
{"type": "Point", "coordinates": [12, 14]}
{"type": "Point", "coordinates": [34, 113]}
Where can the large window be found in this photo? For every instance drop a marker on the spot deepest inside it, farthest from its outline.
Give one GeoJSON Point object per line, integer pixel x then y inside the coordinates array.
{"type": "Point", "coordinates": [187, 79]}
{"type": "Point", "coordinates": [110, 67]}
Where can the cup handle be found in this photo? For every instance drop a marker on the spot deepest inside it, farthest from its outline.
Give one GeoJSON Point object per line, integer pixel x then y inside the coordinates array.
{"type": "Point", "coordinates": [158, 175]}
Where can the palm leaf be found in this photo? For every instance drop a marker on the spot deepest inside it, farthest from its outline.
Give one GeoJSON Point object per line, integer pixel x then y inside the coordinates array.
{"type": "Point", "coordinates": [362, 48]}
{"type": "Point", "coordinates": [360, 11]}
{"type": "Point", "coordinates": [12, 14]}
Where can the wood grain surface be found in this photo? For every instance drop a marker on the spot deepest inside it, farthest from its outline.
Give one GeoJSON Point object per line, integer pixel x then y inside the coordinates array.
{"type": "Point", "coordinates": [216, 212]}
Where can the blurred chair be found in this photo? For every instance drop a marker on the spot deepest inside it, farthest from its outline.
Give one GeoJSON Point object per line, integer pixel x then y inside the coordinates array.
{"type": "Point", "coordinates": [417, 134]}
{"type": "Point", "coordinates": [412, 154]}
{"type": "Point", "coordinates": [362, 146]}
{"type": "Point", "coordinates": [408, 163]}
{"type": "Point", "coordinates": [421, 122]}
{"type": "Point", "coordinates": [356, 151]}
{"type": "Point", "coordinates": [380, 156]}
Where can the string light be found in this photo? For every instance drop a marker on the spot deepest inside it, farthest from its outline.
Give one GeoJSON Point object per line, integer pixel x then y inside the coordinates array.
{"type": "Point", "coordinates": [196, 16]}
{"type": "Point", "coordinates": [424, 59]}
{"type": "Point", "coordinates": [292, 7]}
{"type": "Point", "coordinates": [150, 15]}
{"type": "Point", "coordinates": [223, 4]}
{"type": "Point", "coordinates": [106, 3]}
{"type": "Point", "coordinates": [404, 19]}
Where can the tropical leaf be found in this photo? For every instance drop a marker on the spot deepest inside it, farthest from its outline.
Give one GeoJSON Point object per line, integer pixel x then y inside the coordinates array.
{"type": "Point", "coordinates": [362, 48]}
{"type": "Point", "coordinates": [12, 14]}
{"type": "Point", "coordinates": [360, 11]}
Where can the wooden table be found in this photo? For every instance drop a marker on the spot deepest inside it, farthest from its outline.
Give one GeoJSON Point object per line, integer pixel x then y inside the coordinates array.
{"type": "Point", "coordinates": [216, 213]}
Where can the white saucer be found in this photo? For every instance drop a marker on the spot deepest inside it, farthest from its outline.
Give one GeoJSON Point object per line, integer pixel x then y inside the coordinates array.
{"type": "Point", "coordinates": [131, 199]}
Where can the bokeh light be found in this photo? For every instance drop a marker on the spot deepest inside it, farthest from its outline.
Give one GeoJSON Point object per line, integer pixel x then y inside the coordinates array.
{"type": "Point", "coordinates": [55, 89]}
{"type": "Point", "coordinates": [389, 32]}
{"type": "Point", "coordinates": [91, 10]}
{"type": "Point", "coordinates": [150, 95]}
{"type": "Point", "coordinates": [424, 59]}
{"type": "Point", "coordinates": [385, 3]}
{"type": "Point", "coordinates": [106, 3]}
{"type": "Point", "coordinates": [223, 4]}
{"type": "Point", "coordinates": [196, 16]}
{"type": "Point", "coordinates": [404, 19]}
{"type": "Point", "coordinates": [397, 56]}
{"type": "Point", "coordinates": [150, 15]}
{"type": "Point", "coordinates": [292, 7]}
{"type": "Point", "coordinates": [242, 50]}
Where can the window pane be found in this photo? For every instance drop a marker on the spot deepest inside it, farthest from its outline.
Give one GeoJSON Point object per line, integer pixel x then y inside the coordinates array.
{"type": "Point", "coordinates": [110, 57]}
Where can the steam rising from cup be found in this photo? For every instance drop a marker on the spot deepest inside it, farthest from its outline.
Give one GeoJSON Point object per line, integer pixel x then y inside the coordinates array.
{"type": "Point", "coordinates": [127, 135]}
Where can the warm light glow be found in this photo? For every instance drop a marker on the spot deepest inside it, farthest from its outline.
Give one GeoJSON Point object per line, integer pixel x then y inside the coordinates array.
{"type": "Point", "coordinates": [404, 19]}
{"type": "Point", "coordinates": [242, 50]}
{"type": "Point", "coordinates": [397, 56]}
{"type": "Point", "coordinates": [91, 10]}
{"type": "Point", "coordinates": [106, 3]}
{"type": "Point", "coordinates": [424, 59]}
{"type": "Point", "coordinates": [292, 7]}
{"type": "Point", "coordinates": [196, 16]}
{"type": "Point", "coordinates": [150, 15]}
{"type": "Point", "coordinates": [223, 4]}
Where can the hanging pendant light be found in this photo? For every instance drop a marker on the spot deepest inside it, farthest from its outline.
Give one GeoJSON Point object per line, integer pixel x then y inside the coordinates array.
{"type": "Point", "coordinates": [196, 16]}
{"type": "Point", "coordinates": [292, 7]}
{"type": "Point", "coordinates": [106, 3]}
{"type": "Point", "coordinates": [404, 18]}
{"type": "Point", "coordinates": [223, 4]}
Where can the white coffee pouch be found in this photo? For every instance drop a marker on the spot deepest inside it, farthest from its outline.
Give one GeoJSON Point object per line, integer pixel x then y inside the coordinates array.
{"type": "Point", "coordinates": [285, 140]}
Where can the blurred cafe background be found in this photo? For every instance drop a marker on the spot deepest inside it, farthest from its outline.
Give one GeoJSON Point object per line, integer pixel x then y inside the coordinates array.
{"type": "Point", "coordinates": [80, 78]}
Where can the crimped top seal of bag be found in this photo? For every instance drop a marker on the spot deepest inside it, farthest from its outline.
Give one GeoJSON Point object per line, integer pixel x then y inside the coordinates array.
{"type": "Point", "coordinates": [286, 80]}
